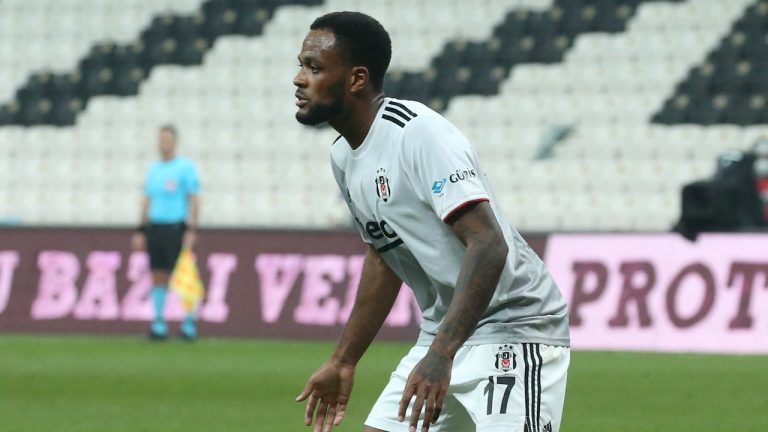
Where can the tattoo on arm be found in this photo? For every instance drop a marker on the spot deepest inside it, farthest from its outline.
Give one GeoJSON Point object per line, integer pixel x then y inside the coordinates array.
{"type": "Point", "coordinates": [480, 271]}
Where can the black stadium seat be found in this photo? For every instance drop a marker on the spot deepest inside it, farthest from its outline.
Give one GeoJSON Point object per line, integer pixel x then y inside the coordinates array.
{"type": "Point", "coordinates": [110, 69]}
{"type": "Point", "coordinates": [9, 114]}
{"type": "Point", "coordinates": [733, 71]}
{"type": "Point", "coordinates": [218, 19]}
{"type": "Point", "coordinates": [732, 77]}
{"type": "Point", "coordinates": [522, 37]}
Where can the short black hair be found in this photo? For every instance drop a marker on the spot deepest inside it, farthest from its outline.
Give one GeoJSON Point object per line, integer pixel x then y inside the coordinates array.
{"type": "Point", "coordinates": [168, 127]}
{"type": "Point", "coordinates": [361, 39]}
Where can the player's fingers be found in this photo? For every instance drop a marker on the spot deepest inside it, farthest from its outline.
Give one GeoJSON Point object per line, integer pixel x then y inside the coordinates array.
{"type": "Point", "coordinates": [429, 410]}
{"type": "Point", "coordinates": [305, 392]}
{"type": "Point", "coordinates": [330, 418]}
{"type": "Point", "coordinates": [418, 404]}
{"type": "Point", "coordinates": [340, 414]}
{"type": "Point", "coordinates": [320, 417]}
{"type": "Point", "coordinates": [404, 402]}
{"type": "Point", "coordinates": [311, 405]}
{"type": "Point", "coordinates": [438, 407]}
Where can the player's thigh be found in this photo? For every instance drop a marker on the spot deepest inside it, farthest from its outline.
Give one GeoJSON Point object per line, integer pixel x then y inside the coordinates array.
{"type": "Point", "coordinates": [383, 415]}
{"type": "Point", "coordinates": [509, 387]}
{"type": "Point", "coordinates": [173, 236]}
{"type": "Point", "coordinates": [164, 243]}
{"type": "Point", "coordinates": [155, 235]}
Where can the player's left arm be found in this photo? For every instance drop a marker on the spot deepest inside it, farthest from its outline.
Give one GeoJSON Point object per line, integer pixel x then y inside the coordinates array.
{"type": "Point", "coordinates": [192, 182]}
{"type": "Point", "coordinates": [190, 235]}
{"type": "Point", "coordinates": [476, 226]}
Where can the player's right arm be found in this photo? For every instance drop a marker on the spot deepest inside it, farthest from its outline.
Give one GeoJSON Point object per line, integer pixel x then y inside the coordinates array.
{"type": "Point", "coordinates": [328, 389]}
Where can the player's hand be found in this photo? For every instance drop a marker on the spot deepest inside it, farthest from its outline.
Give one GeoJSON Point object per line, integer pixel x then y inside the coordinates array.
{"type": "Point", "coordinates": [328, 390]}
{"type": "Point", "coordinates": [190, 239]}
{"type": "Point", "coordinates": [429, 382]}
{"type": "Point", "coordinates": [138, 241]}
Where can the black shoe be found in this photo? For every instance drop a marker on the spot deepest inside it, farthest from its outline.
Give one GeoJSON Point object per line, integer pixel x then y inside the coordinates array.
{"type": "Point", "coordinates": [187, 337]}
{"type": "Point", "coordinates": [157, 337]}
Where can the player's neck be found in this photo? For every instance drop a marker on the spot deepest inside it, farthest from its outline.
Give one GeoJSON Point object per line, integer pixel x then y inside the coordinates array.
{"type": "Point", "coordinates": [354, 126]}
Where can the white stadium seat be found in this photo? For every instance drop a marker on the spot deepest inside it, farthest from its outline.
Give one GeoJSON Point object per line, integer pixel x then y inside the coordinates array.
{"type": "Point", "coordinates": [613, 171]}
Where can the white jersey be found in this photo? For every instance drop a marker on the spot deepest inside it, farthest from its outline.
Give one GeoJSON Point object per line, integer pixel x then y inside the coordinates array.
{"type": "Point", "coordinates": [411, 173]}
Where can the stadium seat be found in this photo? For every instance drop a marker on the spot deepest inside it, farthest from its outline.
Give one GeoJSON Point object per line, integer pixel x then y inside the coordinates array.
{"type": "Point", "coordinates": [723, 85]}
{"type": "Point", "coordinates": [633, 82]}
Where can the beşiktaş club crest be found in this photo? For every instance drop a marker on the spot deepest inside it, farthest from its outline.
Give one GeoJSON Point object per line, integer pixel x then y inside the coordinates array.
{"type": "Point", "coordinates": [505, 358]}
{"type": "Point", "coordinates": [382, 185]}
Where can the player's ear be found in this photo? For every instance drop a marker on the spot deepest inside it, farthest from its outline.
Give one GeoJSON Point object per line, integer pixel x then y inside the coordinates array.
{"type": "Point", "coordinates": [359, 78]}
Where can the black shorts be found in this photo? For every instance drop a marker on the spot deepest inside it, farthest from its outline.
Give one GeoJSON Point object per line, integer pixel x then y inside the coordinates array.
{"type": "Point", "coordinates": [164, 244]}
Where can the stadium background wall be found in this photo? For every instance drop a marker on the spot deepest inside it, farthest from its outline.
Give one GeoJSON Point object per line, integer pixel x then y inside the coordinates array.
{"type": "Point", "coordinates": [645, 292]}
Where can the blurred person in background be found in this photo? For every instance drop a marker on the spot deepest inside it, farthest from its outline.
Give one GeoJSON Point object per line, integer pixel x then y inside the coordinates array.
{"type": "Point", "coordinates": [734, 200]}
{"type": "Point", "coordinates": [760, 165]}
{"type": "Point", "coordinates": [493, 352]}
{"type": "Point", "coordinates": [168, 221]}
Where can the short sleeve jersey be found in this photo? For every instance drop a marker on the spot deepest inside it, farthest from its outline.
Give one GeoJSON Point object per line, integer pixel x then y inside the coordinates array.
{"type": "Point", "coordinates": [411, 173]}
{"type": "Point", "coordinates": [168, 186]}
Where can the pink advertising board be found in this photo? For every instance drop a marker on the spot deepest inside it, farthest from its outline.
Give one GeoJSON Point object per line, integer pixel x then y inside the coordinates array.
{"type": "Point", "coordinates": [265, 284]}
{"type": "Point", "coordinates": [664, 293]}
{"type": "Point", "coordinates": [278, 284]}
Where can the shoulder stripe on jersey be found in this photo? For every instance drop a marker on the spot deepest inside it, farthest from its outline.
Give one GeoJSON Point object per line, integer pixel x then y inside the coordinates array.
{"type": "Point", "coordinates": [390, 246]}
{"type": "Point", "coordinates": [397, 112]}
{"type": "Point", "coordinates": [337, 138]}
{"type": "Point", "coordinates": [462, 206]}
{"type": "Point", "coordinates": [393, 120]}
{"type": "Point", "coordinates": [398, 104]}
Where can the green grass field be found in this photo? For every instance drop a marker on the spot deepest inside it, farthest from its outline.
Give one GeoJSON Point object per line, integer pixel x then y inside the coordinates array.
{"type": "Point", "coordinates": [125, 384]}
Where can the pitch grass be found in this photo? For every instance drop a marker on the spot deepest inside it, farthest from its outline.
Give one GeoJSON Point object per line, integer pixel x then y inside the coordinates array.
{"type": "Point", "coordinates": [65, 383]}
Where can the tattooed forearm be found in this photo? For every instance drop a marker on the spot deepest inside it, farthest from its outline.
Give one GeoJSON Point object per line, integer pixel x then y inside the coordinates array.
{"type": "Point", "coordinates": [432, 367]}
{"type": "Point", "coordinates": [480, 271]}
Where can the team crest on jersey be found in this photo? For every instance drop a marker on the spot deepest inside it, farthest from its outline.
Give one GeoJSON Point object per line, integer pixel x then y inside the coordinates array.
{"type": "Point", "coordinates": [170, 185]}
{"type": "Point", "coordinates": [505, 358]}
{"type": "Point", "coordinates": [382, 185]}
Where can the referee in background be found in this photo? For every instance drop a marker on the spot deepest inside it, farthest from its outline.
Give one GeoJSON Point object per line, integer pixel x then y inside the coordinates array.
{"type": "Point", "coordinates": [169, 218]}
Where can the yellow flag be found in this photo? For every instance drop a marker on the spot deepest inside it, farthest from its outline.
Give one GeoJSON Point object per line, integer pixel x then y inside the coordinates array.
{"type": "Point", "coordinates": [186, 282]}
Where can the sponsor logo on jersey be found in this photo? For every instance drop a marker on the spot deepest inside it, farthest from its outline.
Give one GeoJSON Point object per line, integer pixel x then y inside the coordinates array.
{"type": "Point", "coordinates": [438, 186]}
{"type": "Point", "coordinates": [505, 358]}
{"type": "Point", "coordinates": [381, 230]}
{"type": "Point", "coordinates": [382, 185]}
{"type": "Point", "coordinates": [464, 174]}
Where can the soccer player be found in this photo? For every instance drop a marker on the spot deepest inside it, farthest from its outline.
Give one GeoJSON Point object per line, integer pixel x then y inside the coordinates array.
{"type": "Point", "coordinates": [493, 351]}
{"type": "Point", "coordinates": [169, 216]}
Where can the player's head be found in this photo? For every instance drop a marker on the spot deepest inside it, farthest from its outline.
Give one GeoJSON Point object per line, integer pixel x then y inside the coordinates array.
{"type": "Point", "coordinates": [167, 137]}
{"type": "Point", "coordinates": [344, 55]}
